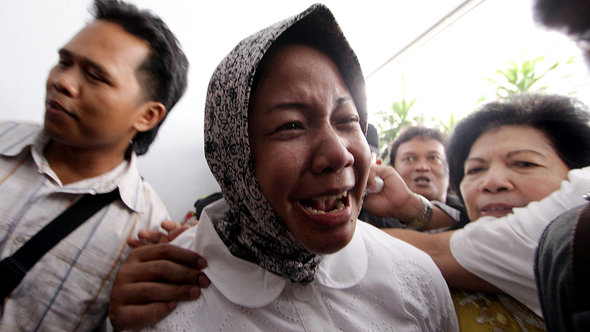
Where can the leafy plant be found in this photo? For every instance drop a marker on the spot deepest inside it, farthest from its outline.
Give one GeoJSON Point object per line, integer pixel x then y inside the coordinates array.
{"type": "Point", "coordinates": [520, 77]}
{"type": "Point", "coordinates": [527, 75]}
{"type": "Point", "coordinates": [399, 116]}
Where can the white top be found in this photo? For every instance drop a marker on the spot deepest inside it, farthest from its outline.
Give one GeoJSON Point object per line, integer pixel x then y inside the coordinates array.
{"type": "Point", "coordinates": [502, 251]}
{"type": "Point", "coordinates": [69, 288]}
{"type": "Point", "coordinates": [375, 283]}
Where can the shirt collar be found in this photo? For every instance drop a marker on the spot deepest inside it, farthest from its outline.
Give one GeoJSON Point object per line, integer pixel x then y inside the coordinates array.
{"type": "Point", "coordinates": [125, 176]}
{"type": "Point", "coordinates": [247, 284]}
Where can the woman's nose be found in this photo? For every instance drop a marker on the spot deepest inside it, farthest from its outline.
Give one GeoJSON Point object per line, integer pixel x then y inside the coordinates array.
{"type": "Point", "coordinates": [496, 180]}
{"type": "Point", "coordinates": [331, 152]}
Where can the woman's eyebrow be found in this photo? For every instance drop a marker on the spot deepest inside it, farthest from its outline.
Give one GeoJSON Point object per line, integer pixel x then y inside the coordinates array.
{"type": "Point", "coordinates": [285, 106]}
{"type": "Point", "coordinates": [515, 152]}
{"type": "Point", "coordinates": [478, 159]}
{"type": "Point", "coordinates": [343, 100]}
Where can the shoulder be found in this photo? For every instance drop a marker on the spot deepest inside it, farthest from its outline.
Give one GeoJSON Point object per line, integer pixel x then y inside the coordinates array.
{"type": "Point", "coordinates": [406, 277]}
{"type": "Point", "coordinates": [150, 207]}
{"type": "Point", "coordinates": [383, 248]}
{"type": "Point", "coordinates": [555, 270]}
{"type": "Point", "coordinates": [14, 136]}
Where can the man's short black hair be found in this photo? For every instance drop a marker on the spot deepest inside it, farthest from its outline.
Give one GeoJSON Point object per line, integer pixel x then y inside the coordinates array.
{"type": "Point", "coordinates": [163, 75]}
{"type": "Point", "coordinates": [408, 133]}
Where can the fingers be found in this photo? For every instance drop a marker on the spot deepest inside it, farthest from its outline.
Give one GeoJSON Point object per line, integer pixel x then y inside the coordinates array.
{"type": "Point", "coordinates": [152, 236]}
{"type": "Point", "coordinates": [150, 283]}
{"type": "Point", "coordinates": [135, 243]}
{"type": "Point", "coordinates": [371, 183]}
{"type": "Point", "coordinates": [150, 292]}
{"type": "Point", "coordinates": [176, 232]}
{"type": "Point", "coordinates": [169, 225]}
{"type": "Point", "coordinates": [166, 254]}
{"type": "Point", "coordinates": [138, 316]}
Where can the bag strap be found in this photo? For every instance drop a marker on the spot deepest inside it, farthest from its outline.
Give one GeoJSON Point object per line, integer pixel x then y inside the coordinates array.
{"type": "Point", "coordinates": [14, 268]}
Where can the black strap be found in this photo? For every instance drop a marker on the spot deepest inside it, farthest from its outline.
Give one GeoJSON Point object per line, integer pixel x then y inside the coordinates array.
{"type": "Point", "coordinates": [14, 268]}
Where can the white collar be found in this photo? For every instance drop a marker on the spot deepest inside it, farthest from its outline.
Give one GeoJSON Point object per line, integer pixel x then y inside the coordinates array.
{"type": "Point", "coordinates": [247, 284]}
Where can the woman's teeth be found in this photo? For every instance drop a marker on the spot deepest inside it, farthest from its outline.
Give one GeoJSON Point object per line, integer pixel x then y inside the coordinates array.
{"type": "Point", "coordinates": [326, 204]}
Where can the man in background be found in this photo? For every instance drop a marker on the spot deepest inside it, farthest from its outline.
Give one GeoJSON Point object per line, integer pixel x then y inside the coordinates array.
{"type": "Point", "coordinates": [111, 89]}
{"type": "Point", "coordinates": [418, 155]}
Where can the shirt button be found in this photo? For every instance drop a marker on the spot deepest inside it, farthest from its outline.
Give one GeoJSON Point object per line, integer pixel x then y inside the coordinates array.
{"type": "Point", "coordinates": [303, 293]}
{"type": "Point", "coordinates": [20, 239]}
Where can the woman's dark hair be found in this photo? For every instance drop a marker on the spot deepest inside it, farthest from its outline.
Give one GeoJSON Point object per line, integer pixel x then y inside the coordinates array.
{"type": "Point", "coordinates": [163, 75]}
{"type": "Point", "coordinates": [563, 120]}
{"type": "Point", "coordinates": [408, 133]}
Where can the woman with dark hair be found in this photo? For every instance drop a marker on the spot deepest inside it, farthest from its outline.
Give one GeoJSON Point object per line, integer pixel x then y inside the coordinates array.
{"type": "Point", "coordinates": [284, 136]}
{"type": "Point", "coordinates": [562, 120]}
{"type": "Point", "coordinates": [508, 161]}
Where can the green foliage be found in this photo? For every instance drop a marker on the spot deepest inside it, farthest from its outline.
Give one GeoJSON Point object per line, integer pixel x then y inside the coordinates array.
{"type": "Point", "coordinates": [520, 77]}
{"type": "Point", "coordinates": [446, 127]}
{"type": "Point", "coordinates": [399, 116]}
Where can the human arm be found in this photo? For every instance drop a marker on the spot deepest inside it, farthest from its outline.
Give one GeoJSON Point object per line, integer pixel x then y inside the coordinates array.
{"type": "Point", "coordinates": [437, 246]}
{"type": "Point", "coordinates": [398, 201]}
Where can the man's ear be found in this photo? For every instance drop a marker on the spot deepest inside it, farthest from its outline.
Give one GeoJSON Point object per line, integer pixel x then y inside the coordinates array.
{"type": "Point", "coordinates": [152, 112]}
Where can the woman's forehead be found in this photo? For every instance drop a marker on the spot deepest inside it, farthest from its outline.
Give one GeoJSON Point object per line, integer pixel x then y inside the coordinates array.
{"type": "Point", "coordinates": [513, 137]}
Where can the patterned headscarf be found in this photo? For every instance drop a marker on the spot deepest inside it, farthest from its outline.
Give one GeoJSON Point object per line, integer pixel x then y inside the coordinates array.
{"type": "Point", "coordinates": [251, 229]}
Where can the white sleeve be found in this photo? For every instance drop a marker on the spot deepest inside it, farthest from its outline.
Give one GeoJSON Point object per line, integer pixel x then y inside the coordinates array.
{"type": "Point", "coordinates": [502, 250]}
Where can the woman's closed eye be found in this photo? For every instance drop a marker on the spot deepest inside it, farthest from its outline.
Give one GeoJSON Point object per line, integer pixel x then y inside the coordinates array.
{"type": "Point", "coordinates": [474, 170]}
{"type": "Point", "coordinates": [525, 164]}
{"type": "Point", "coordinates": [353, 119]}
{"type": "Point", "coordinates": [294, 125]}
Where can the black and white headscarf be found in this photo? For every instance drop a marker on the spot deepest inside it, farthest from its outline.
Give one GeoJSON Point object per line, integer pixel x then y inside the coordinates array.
{"type": "Point", "coordinates": [251, 229]}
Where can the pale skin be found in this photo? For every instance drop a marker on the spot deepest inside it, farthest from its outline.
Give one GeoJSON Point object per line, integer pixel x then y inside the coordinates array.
{"type": "Point", "coordinates": [502, 171]}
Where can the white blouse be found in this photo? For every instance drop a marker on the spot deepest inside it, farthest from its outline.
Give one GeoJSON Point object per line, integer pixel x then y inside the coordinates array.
{"type": "Point", "coordinates": [375, 283]}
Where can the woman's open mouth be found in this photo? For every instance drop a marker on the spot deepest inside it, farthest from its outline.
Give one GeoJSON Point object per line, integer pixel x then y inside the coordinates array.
{"type": "Point", "coordinates": [325, 204]}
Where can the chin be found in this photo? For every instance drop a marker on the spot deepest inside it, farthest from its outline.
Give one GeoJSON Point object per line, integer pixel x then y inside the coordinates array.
{"type": "Point", "coordinates": [329, 243]}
